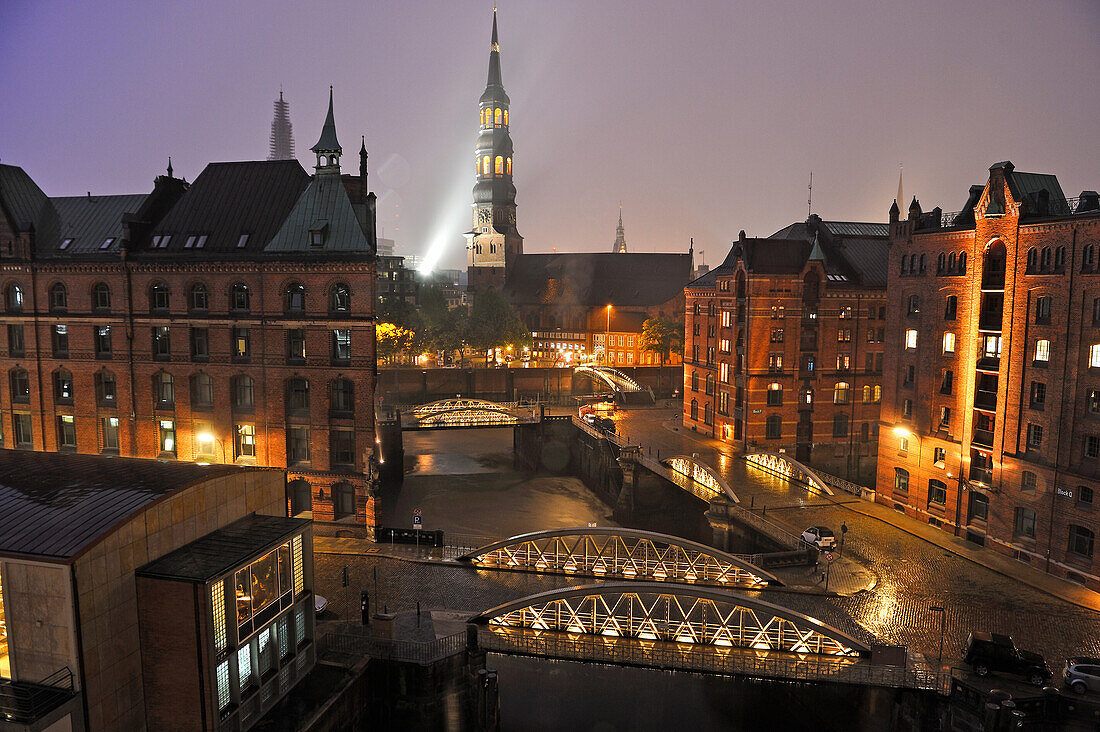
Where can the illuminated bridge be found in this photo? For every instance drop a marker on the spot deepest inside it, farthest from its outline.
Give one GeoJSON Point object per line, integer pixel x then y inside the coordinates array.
{"type": "Point", "coordinates": [618, 553]}
{"type": "Point", "coordinates": [696, 476]}
{"type": "Point", "coordinates": [457, 413]}
{"type": "Point", "coordinates": [614, 379]}
{"type": "Point", "coordinates": [687, 628]}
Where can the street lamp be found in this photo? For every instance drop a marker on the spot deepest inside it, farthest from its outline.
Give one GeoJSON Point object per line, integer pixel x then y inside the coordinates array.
{"type": "Point", "coordinates": [209, 437]}
{"type": "Point", "coordinates": [943, 627]}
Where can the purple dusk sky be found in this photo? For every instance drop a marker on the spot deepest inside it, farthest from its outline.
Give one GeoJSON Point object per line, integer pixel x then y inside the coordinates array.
{"type": "Point", "coordinates": [703, 118]}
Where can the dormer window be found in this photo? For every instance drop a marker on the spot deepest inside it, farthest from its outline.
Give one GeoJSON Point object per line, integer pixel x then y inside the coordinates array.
{"type": "Point", "coordinates": [242, 242]}
{"type": "Point", "coordinates": [65, 243]}
{"type": "Point", "coordinates": [317, 234]}
{"type": "Point", "coordinates": [195, 242]}
{"type": "Point", "coordinates": [111, 240]}
{"type": "Point", "coordinates": [159, 242]}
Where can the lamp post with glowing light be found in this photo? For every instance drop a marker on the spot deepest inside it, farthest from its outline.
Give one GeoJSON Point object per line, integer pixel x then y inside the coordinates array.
{"type": "Point", "coordinates": [209, 437]}
{"type": "Point", "coordinates": [906, 434]}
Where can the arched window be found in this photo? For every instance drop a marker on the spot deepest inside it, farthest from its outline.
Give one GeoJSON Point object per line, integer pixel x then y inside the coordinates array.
{"type": "Point", "coordinates": [199, 299]}
{"type": "Point", "coordinates": [695, 381]}
{"type": "Point", "coordinates": [295, 298]}
{"type": "Point", "coordinates": [841, 392]}
{"type": "Point", "coordinates": [1088, 260]}
{"type": "Point", "coordinates": [912, 304]}
{"type": "Point", "coordinates": [695, 310]}
{"type": "Point", "coordinates": [343, 495]}
{"type": "Point", "coordinates": [509, 165]}
{"type": "Point", "coordinates": [1060, 258]}
{"type": "Point", "coordinates": [1032, 259]}
{"type": "Point", "coordinates": [1081, 541]}
{"type": "Point", "coordinates": [506, 118]}
{"type": "Point", "coordinates": [922, 263]}
{"type": "Point", "coordinates": [1045, 259]}
{"type": "Point", "coordinates": [866, 394]}
{"type": "Point", "coordinates": [962, 263]}
{"type": "Point", "coordinates": [339, 298]}
{"type": "Point", "coordinates": [904, 264]}
{"type": "Point", "coordinates": [773, 427]}
{"type": "Point", "coordinates": [485, 165]}
{"type": "Point", "coordinates": [912, 264]}
{"type": "Point", "coordinates": [342, 399]}
{"type": "Point", "coordinates": [14, 298]}
{"type": "Point", "coordinates": [940, 263]}
{"type": "Point", "coordinates": [901, 480]}
{"type": "Point", "coordinates": [710, 385]}
{"type": "Point", "coordinates": [878, 393]}
{"type": "Point", "coordinates": [165, 390]}
{"type": "Point", "coordinates": [158, 297]}
{"type": "Point", "coordinates": [775, 394]}
{"type": "Point", "coordinates": [239, 298]}
{"type": "Point", "coordinates": [243, 393]}
{"type": "Point", "coordinates": [840, 425]}
{"type": "Point", "coordinates": [951, 262]}
{"type": "Point", "coordinates": [499, 169]}
{"type": "Point", "coordinates": [20, 386]}
{"type": "Point", "coordinates": [106, 389]}
{"type": "Point", "coordinates": [951, 307]}
{"type": "Point", "coordinates": [300, 495]}
{"type": "Point", "coordinates": [807, 397]}
{"type": "Point", "coordinates": [297, 396]}
{"type": "Point", "coordinates": [63, 386]}
{"type": "Point", "coordinates": [707, 414]}
{"type": "Point", "coordinates": [101, 296]}
{"type": "Point", "coordinates": [694, 409]}
{"type": "Point", "coordinates": [59, 297]}
{"type": "Point", "coordinates": [202, 391]}
{"type": "Point", "coordinates": [498, 116]}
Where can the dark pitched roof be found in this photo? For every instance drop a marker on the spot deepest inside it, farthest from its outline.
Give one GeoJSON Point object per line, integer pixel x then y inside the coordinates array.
{"type": "Point", "coordinates": [324, 204]}
{"type": "Point", "coordinates": [57, 505]}
{"type": "Point", "coordinates": [850, 252]}
{"type": "Point", "coordinates": [228, 200]}
{"type": "Point", "coordinates": [220, 551]}
{"type": "Point", "coordinates": [26, 206]}
{"type": "Point", "coordinates": [597, 279]}
{"type": "Point", "coordinates": [1027, 186]}
{"type": "Point", "coordinates": [89, 221]}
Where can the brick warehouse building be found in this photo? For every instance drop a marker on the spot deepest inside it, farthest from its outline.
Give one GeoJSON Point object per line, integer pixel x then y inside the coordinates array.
{"type": "Point", "coordinates": [229, 320]}
{"type": "Point", "coordinates": [783, 345]}
{"type": "Point", "coordinates": [991, 406]}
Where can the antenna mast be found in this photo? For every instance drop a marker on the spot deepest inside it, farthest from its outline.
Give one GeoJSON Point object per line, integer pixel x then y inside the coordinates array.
{"type": "Point", "coordinates": [810, 197]}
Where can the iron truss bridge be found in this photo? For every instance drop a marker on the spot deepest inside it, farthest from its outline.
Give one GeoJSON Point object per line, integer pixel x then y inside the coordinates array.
{"type": "Point", "coordinates": [789, 468]}
{"type": "Point", "coordinates": [688, 628]}
{"type": "Point", "coordinates": [702, 479]}
{"type": "Point", "coordinates": [457, 413]}
{"type": "Point", "coordinates": [617, 553]}
{"type": "Point", "coordinates": [654, 611]}
{"type": "Point", "coordinates": [613, 378]}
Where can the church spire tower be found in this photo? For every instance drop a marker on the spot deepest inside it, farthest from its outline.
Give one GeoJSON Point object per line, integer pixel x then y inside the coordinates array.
{"type": "Point", "coordinates": [620, 235]}
{"type": "Point", "coordinates": [282, 132]}
{"type": "Point", "coordinates": [494, 242]}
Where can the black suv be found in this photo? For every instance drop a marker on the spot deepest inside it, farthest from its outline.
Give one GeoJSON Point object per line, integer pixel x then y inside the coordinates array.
{"type": "Point", "coordinates": [987, 652]}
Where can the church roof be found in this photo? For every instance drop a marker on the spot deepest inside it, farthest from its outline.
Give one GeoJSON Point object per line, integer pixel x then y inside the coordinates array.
{"type": "Point", "coordinates": [228, 201]}
{"type": "Point", "coordinates": [597, 279]}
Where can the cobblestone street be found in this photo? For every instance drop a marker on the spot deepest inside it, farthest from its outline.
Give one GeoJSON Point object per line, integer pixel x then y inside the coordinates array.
{"type": "Point", "coordinates": [910, 573]}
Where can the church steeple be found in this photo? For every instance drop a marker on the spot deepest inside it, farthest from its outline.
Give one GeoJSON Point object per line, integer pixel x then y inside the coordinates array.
{"type": "Point", "coordinates": [494, 241]}
{"type": "Point", "coordinates": [620, 235]}
{"type": "Point", "coordinates": [328, 148]}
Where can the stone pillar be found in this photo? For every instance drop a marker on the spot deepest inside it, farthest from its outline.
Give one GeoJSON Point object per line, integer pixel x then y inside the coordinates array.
{"type": "Point", "coordinates": [718, 515]}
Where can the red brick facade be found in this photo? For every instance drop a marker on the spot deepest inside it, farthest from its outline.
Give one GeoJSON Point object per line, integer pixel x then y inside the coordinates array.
{"type": "Point", "coordinates": [993, 364]}
{"type": "Point", "coordinates": [787, 358]}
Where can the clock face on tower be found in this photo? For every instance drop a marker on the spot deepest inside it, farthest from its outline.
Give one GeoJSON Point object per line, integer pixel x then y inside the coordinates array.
{"type": "Point", "coordinates": [484, 216]}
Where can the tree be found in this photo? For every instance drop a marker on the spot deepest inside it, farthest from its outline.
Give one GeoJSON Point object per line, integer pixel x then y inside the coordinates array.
{"type": "Point", "coordinates": [392, 339]}
{"type": "Point", "coordinates": [663, 337]}
{"type": "Point", "coordinates": [494, 323]}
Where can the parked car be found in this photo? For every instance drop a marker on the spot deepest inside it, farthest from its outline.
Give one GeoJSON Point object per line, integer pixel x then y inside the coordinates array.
{"type": "Point", "coordinates": [1082, 674]}
{"type": "Point", "coordinates": [591, 418]}
{"type": "Point", "coordinates": [607, 423]}
{"type": "Point", "coordinates": [987, 652]}
{"type": "Point", "coordinates": [820, 536]}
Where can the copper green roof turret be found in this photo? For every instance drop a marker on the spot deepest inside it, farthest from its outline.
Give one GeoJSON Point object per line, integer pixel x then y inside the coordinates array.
{"type": "Point", "coordinates": [816, 255]}
{"type": "Point", "coordinates": [328, 147]}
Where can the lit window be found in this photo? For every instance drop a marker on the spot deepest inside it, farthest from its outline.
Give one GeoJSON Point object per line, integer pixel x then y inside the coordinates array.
{"type": "Point", "coordinates": [497, 116]}
{"type": "Point", "coordinates": [724, 373]}
{"type": "Point", "coordinates": [204, 441]}
{"type": "Point", "coordinates": [167, 436]}
{"type": "Point", "coordinates": [910, 338]}
{"type": "Point", "coordinates": [485, 165]}
{"type": "Point", "coordinates": [246, 441]}
{"type": "Point", "coordinates": [1042, 350]}
{"type": "Point", "coordinates": [509, 165]}
{"type": "Point", "coordinates": [66, 431]}
{"type": "Point", "coordinates": [948, 342]}
{"type": "Point", "coordinates": [1094, 355]}
{"type": "Point", "coordinates": [499, 169]}
{"type": "Point", "coordinates": [110, 433]}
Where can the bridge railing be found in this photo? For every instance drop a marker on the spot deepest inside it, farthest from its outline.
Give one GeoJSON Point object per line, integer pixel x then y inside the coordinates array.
{"type": "Point", "coordinates": [708, 659]}
{"type": "Point", "coordinates": [351, 642]}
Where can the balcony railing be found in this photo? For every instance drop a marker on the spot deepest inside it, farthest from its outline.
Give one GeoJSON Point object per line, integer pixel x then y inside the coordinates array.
{"type": "Point", "coordinates": [986, 400]}
{"type": "Point", "coordinates": [983, 437]}
{"type": "Point", "coordinates": [24, 702]}
{"type": "Point", "coordinates": [989, 363]}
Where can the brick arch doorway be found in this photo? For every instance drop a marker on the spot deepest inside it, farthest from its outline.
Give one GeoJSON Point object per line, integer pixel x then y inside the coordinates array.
{"type": "Point", "coordinates": [300, 494]}
{"type": "Point", "coordinates": [343, 500]}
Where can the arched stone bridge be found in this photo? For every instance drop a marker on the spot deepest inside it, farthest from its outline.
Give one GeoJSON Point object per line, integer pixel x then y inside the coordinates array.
{"type": "Point", "coordinates": [465, 413]}
{"type": "Point", "coordinates": [619, 553]}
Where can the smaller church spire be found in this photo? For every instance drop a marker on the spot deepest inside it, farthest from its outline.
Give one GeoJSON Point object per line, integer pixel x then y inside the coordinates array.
{"type": "Point", "coordinates": [169, 166]}
{"type": "Point", "coordinates": [328, 148]}
{"type": "Point", "coordinates": [620, 234]}
{"type": "Point", "coordinates": [494, 45]}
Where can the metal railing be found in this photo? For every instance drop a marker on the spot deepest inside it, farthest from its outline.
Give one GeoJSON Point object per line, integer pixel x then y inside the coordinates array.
{"type": "Point", "coordinates": [25, 702]}
{"type": "Point", "coordinates": [700, 659]}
